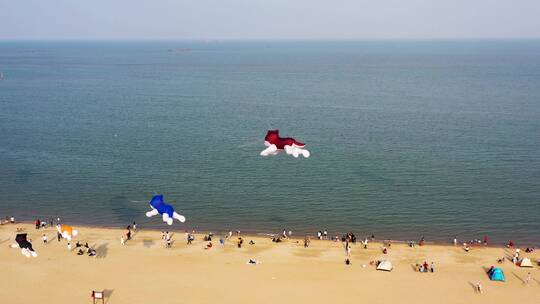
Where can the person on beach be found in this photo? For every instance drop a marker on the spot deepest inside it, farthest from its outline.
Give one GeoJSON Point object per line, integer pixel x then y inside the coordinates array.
{"type": "Point", "coordinates": [432, 269]}
{"type": "Point", "coordinates": [240, 242]}
{"type": "Point", "coordinates": [319, 235]}
{"type": "Point", "coordinates": [128, 232]}
{"type": "Point", "coordinates": [478, 287]}
{"type": "Point", "coordinates": [163, 235]}
{"type": "Point", "coordinates": [485, 240]}
{"type": "Point", "coordinates": [455, 240]}
{"type": "Point", "coordinates": [190, 238]}
{"type": "Point", "coordinates": [134, 226]}
{"type": "Point", "coordinates": [44, 237]}
{"type": "Point", "coordinates": [284, 234]}
{"type": "Point", "coordinates": [528, 279]}
{"type": "Point", "coordinates": [12, 219]}
{"type": "Point", "coordinates": [348, 249]}
{"type": "Point", "coordinates": [221, 241]}
{"type": "Point", "coordinates": [325, 234]}
{"type": "Point", "coordinates": [122, 240]}
{"type": "Point", "coordinates": [59, 236]}
{"type": "Point", "coordinates": [38, 224]}
{"type": "Point", "coordinates": [230, 235]}
{"type": "Point", "coordinates": [384, 250]}
{"type": "Point", "coordinates": [306, 242]}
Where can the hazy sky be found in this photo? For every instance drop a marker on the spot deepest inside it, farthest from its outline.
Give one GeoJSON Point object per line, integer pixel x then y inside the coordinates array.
{"type": "Point", "coordinates": [268, 19]}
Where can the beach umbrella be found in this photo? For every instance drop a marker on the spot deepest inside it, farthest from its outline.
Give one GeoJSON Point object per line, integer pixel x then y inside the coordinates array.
{"type": "Point", "coordinates": [276, 144]}
{"type": "Point", "coordinates": [25, 245]}
{"type": "Point", "coordinates": [159, 206]}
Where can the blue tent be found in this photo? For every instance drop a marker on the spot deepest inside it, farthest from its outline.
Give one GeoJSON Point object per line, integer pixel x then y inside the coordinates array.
{"type": "Point", "coordinates": [496, 275]}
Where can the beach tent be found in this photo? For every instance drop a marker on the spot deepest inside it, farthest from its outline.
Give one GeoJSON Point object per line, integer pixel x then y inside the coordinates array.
{"type": "Point", "coordinates": [385, 265]}
{"type": "Point", "coordinates": [496, 275]}
{"type": "Point", "coordinates": [525, 262]}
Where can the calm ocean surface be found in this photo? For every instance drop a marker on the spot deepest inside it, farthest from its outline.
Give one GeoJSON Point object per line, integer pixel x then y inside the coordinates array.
{"type": "Point", "coordinates": [408, 138]}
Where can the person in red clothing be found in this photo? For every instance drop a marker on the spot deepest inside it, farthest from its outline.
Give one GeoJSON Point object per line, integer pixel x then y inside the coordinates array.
{"type": "Point", "coordinates": [485, 240]}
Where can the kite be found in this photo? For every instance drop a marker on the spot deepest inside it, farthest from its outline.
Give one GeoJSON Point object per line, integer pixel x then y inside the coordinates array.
{"type": "Point", "coordinates": [275, 144]}
{"type": "Point", "coordinates": [159, 206]}
{"type": "Point", "coordinates": [66, 231]}
{"type": "Point", "coordinates": [25, 245]}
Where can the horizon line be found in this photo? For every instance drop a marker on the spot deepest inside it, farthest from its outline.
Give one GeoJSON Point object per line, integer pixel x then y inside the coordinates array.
{"type": "Point", "coordinates": [262, 39]}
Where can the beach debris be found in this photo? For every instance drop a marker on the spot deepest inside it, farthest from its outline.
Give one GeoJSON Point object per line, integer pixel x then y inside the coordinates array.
{"type": "Point", "coordinates": [25, 245]}
{"type": "Point", "coordinates": [159, 206]}
{"type": "Point", "coordinates": [67, 232]}
{"type": "Point", "coordinates": [275, 144]}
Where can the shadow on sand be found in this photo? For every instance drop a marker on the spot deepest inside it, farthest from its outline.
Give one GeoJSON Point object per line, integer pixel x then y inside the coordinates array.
{"type": "Point", "coordinates": [148, 243]}
{"type": "Point", "coordinates": [519, 278]}
{"type": "Point", "coordinates": [107, 293]}
{"type": "Point", "coordinates": [102, 250]}
{"type": "Point", "coordinates": [473, 286]}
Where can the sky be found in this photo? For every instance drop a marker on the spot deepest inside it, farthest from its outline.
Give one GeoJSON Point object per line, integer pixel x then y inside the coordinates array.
{"type": "Point", "coordinates": [267, 19]}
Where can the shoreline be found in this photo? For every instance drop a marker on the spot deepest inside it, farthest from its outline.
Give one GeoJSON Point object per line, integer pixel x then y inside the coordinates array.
{"type": "Point", "coordinates": [312, 237]}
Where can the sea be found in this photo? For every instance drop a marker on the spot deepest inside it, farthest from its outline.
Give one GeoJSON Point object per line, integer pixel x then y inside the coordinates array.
{"type": "Point", "coordinates": [408, 138]}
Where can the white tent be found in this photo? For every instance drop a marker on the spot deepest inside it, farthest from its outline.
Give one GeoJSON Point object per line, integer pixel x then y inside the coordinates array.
{"type": "Point", "coordinates": [525, 262]}
{"type": "Point", "coordinates": [385, 265]}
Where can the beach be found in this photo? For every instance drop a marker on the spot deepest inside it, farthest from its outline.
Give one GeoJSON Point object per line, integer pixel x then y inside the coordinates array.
{"type": "Point", "coordinates": [144, 271]}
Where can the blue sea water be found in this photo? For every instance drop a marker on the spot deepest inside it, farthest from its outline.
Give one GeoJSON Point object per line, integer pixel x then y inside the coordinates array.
{"type": "Point", "coordinates": [408, 138]}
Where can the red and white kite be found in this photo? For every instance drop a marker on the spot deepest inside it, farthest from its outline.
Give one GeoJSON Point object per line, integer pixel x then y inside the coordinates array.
{"type": "Point", "coordinates": [276, 144]}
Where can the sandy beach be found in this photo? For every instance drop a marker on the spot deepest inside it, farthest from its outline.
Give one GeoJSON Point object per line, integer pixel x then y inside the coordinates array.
{"type": "Point", "coordinates": [144, 271]}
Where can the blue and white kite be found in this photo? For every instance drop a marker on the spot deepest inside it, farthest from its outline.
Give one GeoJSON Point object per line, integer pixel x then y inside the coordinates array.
{"type": "Point", "coordinates": [159, 206]}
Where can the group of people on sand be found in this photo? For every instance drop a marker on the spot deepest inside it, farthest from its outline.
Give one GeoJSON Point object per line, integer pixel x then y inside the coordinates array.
{"type": "Point", "coordinates": [7, 220]}
{"type": "Point", "coordinates": [425, 267]}
{"type": "Point", "coordinates": [89, 250]}
{"type": "Point", "coordinates": [322, 235]}
{"type": "Point", "coordinates": [43, 224]}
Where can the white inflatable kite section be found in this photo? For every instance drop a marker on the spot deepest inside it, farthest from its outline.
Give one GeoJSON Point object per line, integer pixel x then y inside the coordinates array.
{"type": "Point", "coordinates": [293, 150]}
{"type": "Point", "coordinates": [26, 252]}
